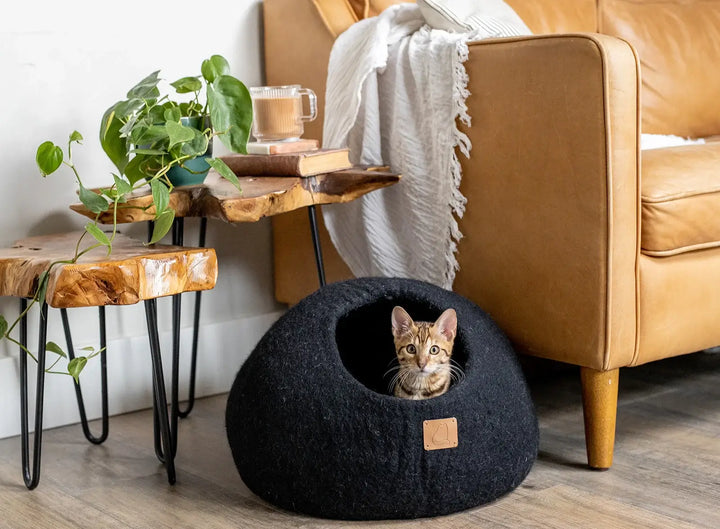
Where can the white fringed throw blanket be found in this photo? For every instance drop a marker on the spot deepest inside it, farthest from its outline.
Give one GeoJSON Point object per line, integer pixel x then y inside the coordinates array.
{"type": "Point", "coordinates": [395, 89]}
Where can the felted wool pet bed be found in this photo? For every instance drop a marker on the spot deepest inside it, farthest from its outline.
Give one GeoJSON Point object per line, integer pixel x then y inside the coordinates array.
{"type": "Point", "coordinates": [314, 429]}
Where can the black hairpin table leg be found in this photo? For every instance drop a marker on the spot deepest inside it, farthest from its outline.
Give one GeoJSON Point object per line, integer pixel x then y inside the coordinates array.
{"type": "Point", "coordinates": [196, 333]}
{"type": "Point", "coordinates": [160, 408]}
{"type": "Point", "coordinates": [160, 450]}
{"type": "Point", "coordinates": [31, 473]}
{"type": "Point", "coordinates": [103, 378]}
{"type": "Point", "coordinates": [156, 418]}
{"type": "Point", "coordinates": [316, 245]}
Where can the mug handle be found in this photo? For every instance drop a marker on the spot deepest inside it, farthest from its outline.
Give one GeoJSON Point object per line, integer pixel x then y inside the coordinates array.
{"type": "Point", "coordinates": [313, 103]}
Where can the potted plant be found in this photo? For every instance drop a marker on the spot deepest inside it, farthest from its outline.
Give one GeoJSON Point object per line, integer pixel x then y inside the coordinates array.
{"type": "Point", "coordinates": [150, 137]}
{"type": "Point", "coordinates": [146, 136]}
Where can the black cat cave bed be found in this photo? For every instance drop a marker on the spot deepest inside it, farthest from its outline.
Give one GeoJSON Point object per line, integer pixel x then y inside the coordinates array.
{"type": "Point", "coordinates": [313, 427]}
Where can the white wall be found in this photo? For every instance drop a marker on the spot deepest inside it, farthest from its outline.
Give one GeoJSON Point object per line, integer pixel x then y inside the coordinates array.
{"type": "Point", "coordinates": [61, 65]}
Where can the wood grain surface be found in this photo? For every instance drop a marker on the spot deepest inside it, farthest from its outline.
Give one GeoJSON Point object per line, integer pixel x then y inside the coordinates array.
{"type": "Point", "coordinates": [261, 196]}
{"type": "Point", "coordinates": [133, 272]}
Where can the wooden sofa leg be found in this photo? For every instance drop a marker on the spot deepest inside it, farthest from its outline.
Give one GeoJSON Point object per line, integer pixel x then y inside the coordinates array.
{"type": "Point", "coordinates": [599, 394]}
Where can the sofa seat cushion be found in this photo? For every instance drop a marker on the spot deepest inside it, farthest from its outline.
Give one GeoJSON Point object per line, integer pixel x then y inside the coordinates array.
{"type": "Point", "coordinates": [680, 199]}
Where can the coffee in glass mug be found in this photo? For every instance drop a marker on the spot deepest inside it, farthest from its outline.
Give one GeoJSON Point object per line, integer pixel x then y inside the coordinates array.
{"type": "Point", "coordinates": [278, 112]}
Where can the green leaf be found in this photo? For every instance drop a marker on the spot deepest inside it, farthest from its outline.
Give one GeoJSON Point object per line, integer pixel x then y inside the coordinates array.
{"type": "Point", "coordinates": [94, 353]}
{"type": "Point", "coordinates": [187, 85]}
{"type": "Point", "coordinates": [137, 169]}
{"type": "Point", "coordinates": [197, 146]}
{"type": "Point", "coordinates": [163, 223]}
{"type": "Point", "coordinates": [42, 286]}
{"type": "Point", "coordinates": [214, 67]}
{"type": "Point", "coordinates": [48, 157]}
{"type": "Point", "coordinates": [224, 171]}
{"type": "Point", "coordinates": [149, 151]}
{"type": "Point", "coordinates": [123, 187]}
{"type": "Point", "coordinates": [100, 236]}
{"type": "Point", "coordinates": [156, 114]}
{"type": "Point", "coordinates": [126, 131]}
{"type": "Point", "coordinates": [172, 114]}
{"type": "Point", "coordinates": [114, 145]}
{"type": "Point", "coordinates": [109, 192]}
{"type": "Point", "coordinates": [89, 348]}
{"type": "Point", "coordinates": [146, 89]}
{"type": "Point", "coordinates": [231, 112]}
{"type": "Point", "coordinates": [76, 137]}
{"type": "Point", "coordinates": [136, 133]}
{"type": "Point", "coordinates": [161, 196]}
{"type": "Point", "coordinates": [93, 201]}
{"type": "Point", "coordinates": [191, 109]}
{"type": "Point", "coordinates": [152, 134]}
{"type": "Point", "coordinates": [3, 325]}
{"type": "Point", "coordinates": [177, 133]}
{"type": "Point", "coordinates": [123, 109]}
{"type": "Point", "coordinates": [55, 348]}
{"type": "Point", "coordinates": [75, 367]}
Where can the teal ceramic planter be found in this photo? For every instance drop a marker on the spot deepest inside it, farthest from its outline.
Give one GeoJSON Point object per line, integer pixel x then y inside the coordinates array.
{"type": "Point", "coordinates": [197, 168]}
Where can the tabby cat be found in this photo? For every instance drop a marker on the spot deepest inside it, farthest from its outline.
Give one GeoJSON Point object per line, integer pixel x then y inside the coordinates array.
{"type": "Point", "coordinates": [423, 352]}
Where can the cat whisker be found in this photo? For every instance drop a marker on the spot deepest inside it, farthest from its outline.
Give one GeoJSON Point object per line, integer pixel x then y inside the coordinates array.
{"type": "Point", "coordinates": [396, 368]}
{"type": "Point", "coordinates": [456, 369]}
{"type": "Point", "coordinates": [455, 363]}
{"type": "Point", "coordinates": [395, 380]}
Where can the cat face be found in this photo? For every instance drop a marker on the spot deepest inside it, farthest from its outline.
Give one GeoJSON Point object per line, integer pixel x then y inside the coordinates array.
{"type": "Point", "coordinates": [424, 348]}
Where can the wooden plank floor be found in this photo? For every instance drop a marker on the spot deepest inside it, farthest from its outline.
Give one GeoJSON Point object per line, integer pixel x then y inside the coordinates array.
{"type": "Point", "coordinates": [666, 472]}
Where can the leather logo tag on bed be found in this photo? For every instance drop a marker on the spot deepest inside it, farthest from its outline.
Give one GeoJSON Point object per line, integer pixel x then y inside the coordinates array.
{"type": "Point", "coordinates": [440, 433]}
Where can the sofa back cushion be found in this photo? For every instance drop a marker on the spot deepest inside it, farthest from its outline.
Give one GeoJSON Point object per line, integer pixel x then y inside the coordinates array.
{"type": "Point", "coordinates": [678, 43]}
{"type": "Point", "coordinates": [557, 16]}
{"type": "Point", "coordinates": [371, 8]}
{"type": "Point", "coordinates": [541, 16]}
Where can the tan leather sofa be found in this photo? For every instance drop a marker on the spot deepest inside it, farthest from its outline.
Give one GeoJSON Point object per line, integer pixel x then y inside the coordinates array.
{"type": "Point", "coordinates": [582, 248]}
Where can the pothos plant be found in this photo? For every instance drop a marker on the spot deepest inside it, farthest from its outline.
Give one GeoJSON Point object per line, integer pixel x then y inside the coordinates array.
{"type": "Point", "coordinates": [144, 137]}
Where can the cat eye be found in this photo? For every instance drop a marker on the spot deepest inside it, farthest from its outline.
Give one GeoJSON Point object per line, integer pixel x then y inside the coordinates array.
{"type": "Point", "coordinates": [410, 349]}
{"type": "Point", "coordinates": [434, 350]}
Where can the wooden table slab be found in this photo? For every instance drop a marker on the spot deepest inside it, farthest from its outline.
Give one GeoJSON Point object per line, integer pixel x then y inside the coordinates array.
{"type": "Point", "coordinates": [132, 273]}
{"type": "Point", "coordinates": [262, 196]}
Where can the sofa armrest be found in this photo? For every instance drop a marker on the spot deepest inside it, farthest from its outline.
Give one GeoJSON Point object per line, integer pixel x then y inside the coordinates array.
{"type": "Point", "coordinates": [551, 240]}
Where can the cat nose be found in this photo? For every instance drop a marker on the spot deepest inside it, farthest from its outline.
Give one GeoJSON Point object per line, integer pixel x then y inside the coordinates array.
{"type": "Point", "coordinates": [422, 363]}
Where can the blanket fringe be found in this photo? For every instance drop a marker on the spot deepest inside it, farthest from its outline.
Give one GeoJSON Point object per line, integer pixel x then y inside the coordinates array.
{"type": "Point", "coordinates": [460, 142]}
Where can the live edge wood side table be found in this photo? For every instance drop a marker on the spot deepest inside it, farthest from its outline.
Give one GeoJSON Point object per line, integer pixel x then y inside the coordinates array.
{"type": "Point", "coordinates": [134, 272]}
{"type": "Point", "coordinates": [262, 196]}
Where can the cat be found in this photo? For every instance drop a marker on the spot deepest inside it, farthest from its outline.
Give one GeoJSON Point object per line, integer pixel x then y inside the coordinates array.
{"type": "Point", "coordinates": [424, 353]}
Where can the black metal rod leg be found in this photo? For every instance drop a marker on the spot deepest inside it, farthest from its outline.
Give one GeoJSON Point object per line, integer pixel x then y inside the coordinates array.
{"type": "Point", "coordinates": [316, 245]}
{"type": "Point", "coordinates": [156, 428]}
{"type": "Point", "coordinates": [175, 375]}
{"type": "Point", "coordinates": [160, 404]}
{"type": "Point", "coordinates": [103, 378]}
{"type": "Point", "coordinates": [156, 418]}
{"type": "Point", "coordinates": [31, 474]}
{"type": "Point", "coordinates": [177, 239]}
{"type": "Point", "coordinates": [196, 334]}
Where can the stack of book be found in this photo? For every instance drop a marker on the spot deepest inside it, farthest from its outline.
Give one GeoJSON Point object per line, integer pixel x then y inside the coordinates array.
{"type": "Point", "coordinates": [297, 158]}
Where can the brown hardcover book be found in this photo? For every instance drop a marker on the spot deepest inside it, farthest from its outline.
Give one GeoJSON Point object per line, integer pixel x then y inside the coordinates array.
{"type": "Point", "coordinates": [282, 147]}
{"type": "Point", "coordinates": [294, 164]}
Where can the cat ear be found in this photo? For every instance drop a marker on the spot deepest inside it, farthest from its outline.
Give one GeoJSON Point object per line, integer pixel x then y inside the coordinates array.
{"type": "Point", "coordinates": [401, 321]}
{"type": "Point", "coordinates": [447, 324]}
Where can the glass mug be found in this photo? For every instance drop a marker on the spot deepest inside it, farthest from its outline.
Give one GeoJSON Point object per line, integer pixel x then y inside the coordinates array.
{"type": "Point", "coordinates": [278, 112]}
